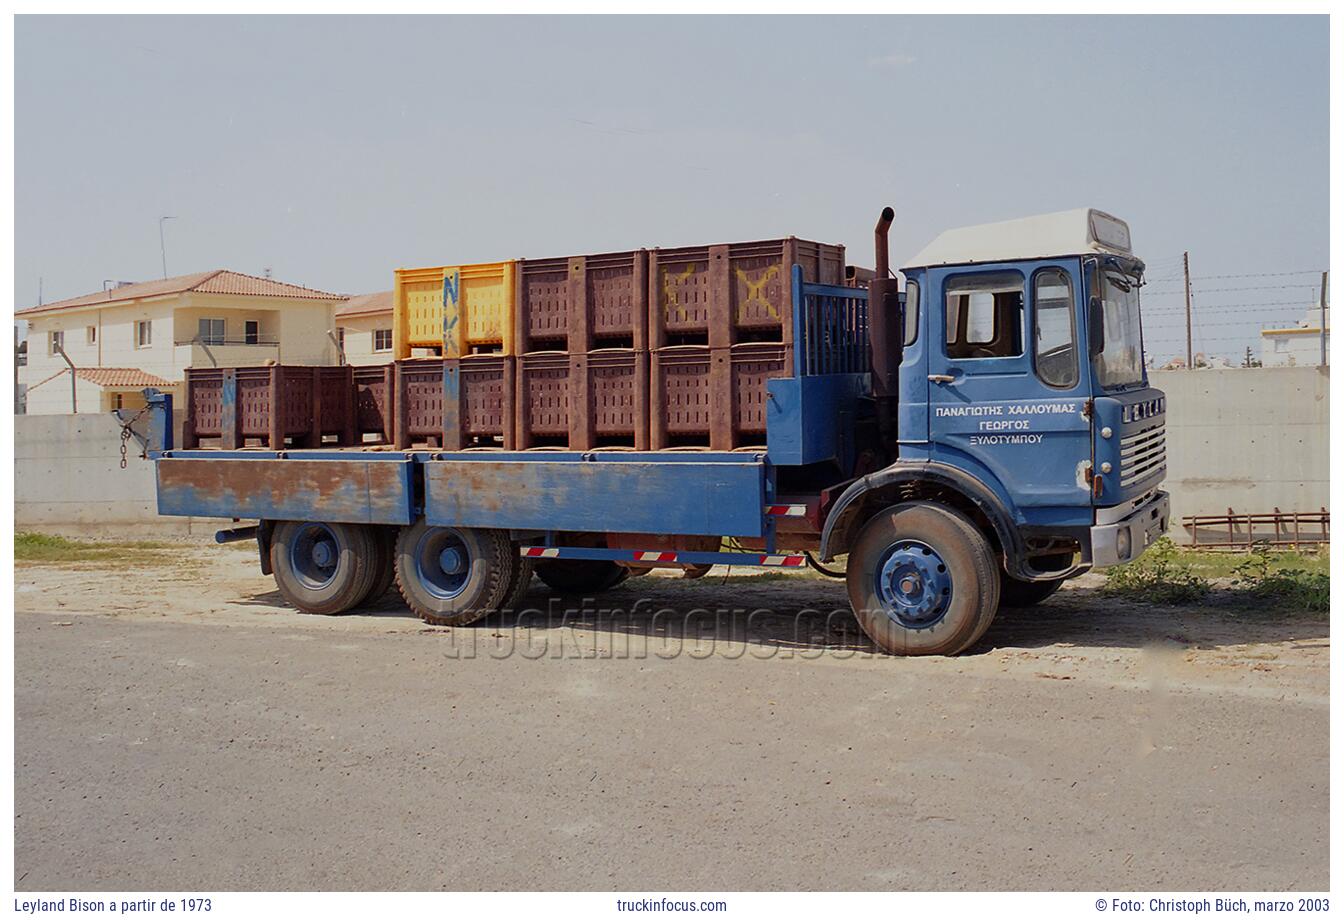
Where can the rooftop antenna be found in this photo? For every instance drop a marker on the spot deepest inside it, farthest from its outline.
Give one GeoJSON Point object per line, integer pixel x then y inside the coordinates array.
{"type": "Point", "coordinates": [163, 253]}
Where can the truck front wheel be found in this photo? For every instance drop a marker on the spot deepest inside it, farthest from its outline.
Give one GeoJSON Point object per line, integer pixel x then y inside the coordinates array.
{"type": "Point", "coordinates": [451, 576]}
{"type": "Point", "coordinates": [922, 580]}
{"type": "Point", "coordinates": [323, 568]}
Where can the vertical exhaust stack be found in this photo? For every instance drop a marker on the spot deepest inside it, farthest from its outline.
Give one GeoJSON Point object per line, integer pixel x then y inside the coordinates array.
{"type": "Point", "coordinates": [884, 333]}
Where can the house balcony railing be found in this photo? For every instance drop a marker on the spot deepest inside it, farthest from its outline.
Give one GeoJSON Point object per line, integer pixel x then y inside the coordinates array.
{"type": "Point", "coordinates": [226, 353]}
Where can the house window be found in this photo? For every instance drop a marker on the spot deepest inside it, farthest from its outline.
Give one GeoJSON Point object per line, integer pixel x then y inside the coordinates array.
{"type": "Point", "coordinates": [55, 342]}
{"type": "Point", "coordinates": [340, 336]}
{"type": "Point", "coordinates": [116, 401]}
{"type": "Point", "coordinates": [210, 331]}
{"type": "Point", "coordinates": [91, 335]}
{"type": "Point", "coordinates": [382, 340]}
{"type": "Point", "coordinates": [144, 333]}
{"type": "Point", "coordinates": [251, 332]}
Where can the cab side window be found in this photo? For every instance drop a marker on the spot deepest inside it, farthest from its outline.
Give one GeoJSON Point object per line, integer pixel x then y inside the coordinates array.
{"type": "Point", "coordinates": [1056, 337]}
{"type": "Point", "coordinates": [984, 316]}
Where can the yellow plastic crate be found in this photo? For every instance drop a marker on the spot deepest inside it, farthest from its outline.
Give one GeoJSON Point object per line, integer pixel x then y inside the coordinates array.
{"type": "Point", "coordinates": [460, 308]}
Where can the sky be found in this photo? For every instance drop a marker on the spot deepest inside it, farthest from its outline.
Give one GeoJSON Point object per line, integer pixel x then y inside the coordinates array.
{"type": "Point", "coordinates": [333, 150]}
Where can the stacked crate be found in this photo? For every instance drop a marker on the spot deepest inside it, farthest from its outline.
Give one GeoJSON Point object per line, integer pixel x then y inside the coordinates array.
{"type": "Point", "coordinates": [583, 365]}
{"type": "Point", "coordinates": [275, 406]}
{"type": "Point", "coordinates": [720, 326]}
{"type": "Point", "coordinates": [462, 396]}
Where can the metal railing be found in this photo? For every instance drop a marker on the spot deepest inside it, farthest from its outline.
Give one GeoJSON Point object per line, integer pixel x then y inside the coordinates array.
{"type": "Point", "coordinates": [1242, 530]}
{"type": "Point", "coordinates": [830, 328]}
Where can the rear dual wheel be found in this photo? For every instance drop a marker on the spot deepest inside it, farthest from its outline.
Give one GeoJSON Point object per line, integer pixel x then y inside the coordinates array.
{"type": "Point", "coordinates": [326, 568]}
{"type": "Point", "coordinates": [452, 576]}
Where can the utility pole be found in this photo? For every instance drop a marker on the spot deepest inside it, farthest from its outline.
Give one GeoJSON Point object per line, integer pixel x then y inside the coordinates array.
{"type": "Point", "coordinates": [163, 253]}
{"type": "Point", "coordinates": [1325, 277]}
{"type": "Point", "coordinates": [1189, 343]}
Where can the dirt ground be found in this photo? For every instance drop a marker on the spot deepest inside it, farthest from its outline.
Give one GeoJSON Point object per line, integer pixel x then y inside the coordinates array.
{"type": "Point", "coordinates": [178, 727]}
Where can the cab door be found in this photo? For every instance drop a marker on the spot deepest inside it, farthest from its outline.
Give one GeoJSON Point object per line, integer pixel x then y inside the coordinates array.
{"type": "Point", "coordinates": [1008, 395]}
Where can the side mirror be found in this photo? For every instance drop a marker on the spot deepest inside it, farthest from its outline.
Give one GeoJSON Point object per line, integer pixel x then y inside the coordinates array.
{"type": "Point", "coordinates": [1096, 327]}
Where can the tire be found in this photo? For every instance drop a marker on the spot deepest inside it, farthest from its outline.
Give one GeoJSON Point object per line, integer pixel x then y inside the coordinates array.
{"type": "Point", "coordinates": [475, 586]}
{"type": "Point", "coordinates": [384, 544]}
{"type": "Point", "coordinates": [580, 576]}
{"type": "Point", "coordinates": [1014, 592]}
{"type": "Point", "coordinates": [521, 580]}
{"type": "Point", "coordinates": [923, 580]}
{"type": "Point", "coordinates": [323, 568]}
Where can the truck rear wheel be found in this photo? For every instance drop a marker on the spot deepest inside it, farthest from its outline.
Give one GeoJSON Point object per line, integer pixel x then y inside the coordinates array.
{"type": "Point", "coordinates": [452, 576]}
{"type": "Point", "coordinates": [580, 576]}
{"type": "Point", "coordinates": [922, 580]}
{"type": "Point", "coordinates": [323, 568]}
{"type": "Point", "coordinates": [384, 541]}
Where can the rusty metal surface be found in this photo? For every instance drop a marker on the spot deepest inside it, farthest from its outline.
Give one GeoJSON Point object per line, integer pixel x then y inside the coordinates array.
{"type": "Point", "coordinates": [354, 491]}
{"type": "Point", "coordinates": [713, 498]}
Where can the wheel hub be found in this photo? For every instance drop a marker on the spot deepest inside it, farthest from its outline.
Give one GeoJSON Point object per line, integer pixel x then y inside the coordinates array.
{"type": "Point", "coordinates": [914, 585]}
{"type": "Point", "coordinates": [442, 562]}
{"type": "Point", "coordinates": [314, 556]}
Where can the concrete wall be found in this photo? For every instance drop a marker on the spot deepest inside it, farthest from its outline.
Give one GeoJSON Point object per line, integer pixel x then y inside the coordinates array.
{"type": "Point", "coordinates": [1247, 439]}
{"type": "Point", "coordinates": [1250, 439]}
{"type": "Point", "coordinates": [66, 471]}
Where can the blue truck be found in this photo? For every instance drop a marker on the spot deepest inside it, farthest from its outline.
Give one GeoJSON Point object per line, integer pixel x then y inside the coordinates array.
{"type": "Point", "coordinates": [970, 441]}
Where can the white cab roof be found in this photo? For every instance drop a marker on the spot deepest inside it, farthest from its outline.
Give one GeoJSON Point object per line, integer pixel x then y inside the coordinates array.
{"type": "Point", "coordinates": [1063, 233]}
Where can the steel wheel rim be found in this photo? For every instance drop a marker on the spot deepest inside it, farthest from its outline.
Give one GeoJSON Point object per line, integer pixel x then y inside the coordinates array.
{"type": "Point", "coordinates": [442, 562]}
{"type": "Point", "coordinates": [913, 584]}
{"type": "Point", "coordinates": [314, 556]}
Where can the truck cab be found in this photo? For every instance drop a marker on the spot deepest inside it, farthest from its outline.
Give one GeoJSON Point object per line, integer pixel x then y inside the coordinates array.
{"type": "Point", "coordinates": [1022, 400]}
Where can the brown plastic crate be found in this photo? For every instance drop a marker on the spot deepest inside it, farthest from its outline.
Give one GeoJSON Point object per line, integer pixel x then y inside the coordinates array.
{"type": "Point", "coordinates": [483, 414]}
{"type": "Point", "coordinates": [713, 397]}
{"type": "Point", "coordinates": [617, 389]}
{"type": "Point", "coordinates": [274, 406]}
{"type": "Point", "coordinates": [733, 292]}
{"type": "Point", "coordinates": [549, 384]}
{"type": "Point", "coordinates": [454, 403]}
{"type": "Point", "coordinates": [204, 405]}
{"type": "Point", "coordinates": [418, 403]}
{"type": "Point", "coordinates": [375, 390]}
{"type": "Point", "coordinates": [584, 402]}
{"type": "Point", "coordinates": [580, 303]}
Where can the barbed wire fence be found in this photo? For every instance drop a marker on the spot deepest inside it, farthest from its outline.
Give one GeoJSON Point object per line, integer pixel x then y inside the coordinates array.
{"type": "Point", "coordinates": [1228, 312]}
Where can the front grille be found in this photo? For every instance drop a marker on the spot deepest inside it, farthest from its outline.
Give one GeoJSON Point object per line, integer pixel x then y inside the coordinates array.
{"type": "Point", "coordinates": [1143, 454]}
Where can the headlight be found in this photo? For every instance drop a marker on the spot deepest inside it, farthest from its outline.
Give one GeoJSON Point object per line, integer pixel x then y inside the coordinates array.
{"type": "Point", "coordinates": [1122, 543]}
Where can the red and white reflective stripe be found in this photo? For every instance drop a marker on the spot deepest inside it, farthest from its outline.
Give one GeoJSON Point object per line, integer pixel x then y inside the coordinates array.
{"type": "Point", "coordinates": [786, 510]}
{"type": "Point", "coordinates": [782, 560]}
{"type": "Point", "coordinates": [534, 551]}
{"type": "Point", "coordinates": [655, 557]}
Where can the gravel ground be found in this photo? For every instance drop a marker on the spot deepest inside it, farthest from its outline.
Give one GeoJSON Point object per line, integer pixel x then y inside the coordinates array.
{"type": "Point", "coordinates": [177, 727]}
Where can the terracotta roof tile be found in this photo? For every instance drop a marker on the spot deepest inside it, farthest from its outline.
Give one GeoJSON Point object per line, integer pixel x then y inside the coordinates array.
{"type": "Point", "coordinates": [112, 377]}
{"type": "Point", "coordinates": [367, 305]}
{"type": "Point", "coordinates": [219, 281]}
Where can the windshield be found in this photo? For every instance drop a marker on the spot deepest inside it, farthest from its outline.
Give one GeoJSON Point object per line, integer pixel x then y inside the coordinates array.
{"type": "Point", "coordinates": [1118, 358]}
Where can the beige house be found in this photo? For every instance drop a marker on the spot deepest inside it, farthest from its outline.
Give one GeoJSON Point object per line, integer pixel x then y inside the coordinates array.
{"type": "Point", "coordinates": [1298, 345]}
{"type": "Point", "coordinates": [366, 328]}
{"type": "Point", "coordinates": [147, 333]}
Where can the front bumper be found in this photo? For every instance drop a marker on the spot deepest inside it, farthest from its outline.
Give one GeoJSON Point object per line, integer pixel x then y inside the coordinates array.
{"type": "Point", "coordinates": [1121, 541]}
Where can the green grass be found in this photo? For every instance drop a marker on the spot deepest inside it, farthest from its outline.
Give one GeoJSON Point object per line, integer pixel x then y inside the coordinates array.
{"type": "Point", "coordinates": [1168, 574]}
{"type": "Point", "coordinates": [1225, 564]}
{"type": "Point", "coordinates": [46, 548]}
